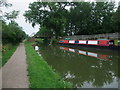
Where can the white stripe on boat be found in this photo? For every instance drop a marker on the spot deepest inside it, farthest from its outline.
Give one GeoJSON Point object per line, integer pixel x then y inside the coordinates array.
{"type": "Point", "coordinates": [82, 42]}
{"type": "Point", "coordinates": [82, 52]}
{"type": "Point", "coordinates": [92, 42]}
{"type": "Point", "coordinates": [92, 54]}
{"type": "Point", "coordinates": [71, 41]}
{"type": "Point", "coordinates": [72, 50]}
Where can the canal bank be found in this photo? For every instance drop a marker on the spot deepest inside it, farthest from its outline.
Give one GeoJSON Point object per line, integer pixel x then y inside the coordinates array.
{"type": "Point", "coordinates": [40, 74]}
{"type": "Point", "coordinates": [7, 52]}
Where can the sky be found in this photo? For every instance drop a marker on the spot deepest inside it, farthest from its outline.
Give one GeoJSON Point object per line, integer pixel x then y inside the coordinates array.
{"type": "Point", "coordinates": [22, 6]}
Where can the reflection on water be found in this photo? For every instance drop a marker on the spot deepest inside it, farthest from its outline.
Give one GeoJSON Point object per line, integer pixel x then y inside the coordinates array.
{"type": "Point", "coordinates": [37, 50]}
{"type": "Point", "coordinates": [87, 53]}
{"type": "Point", "coordinates": [86, 68]}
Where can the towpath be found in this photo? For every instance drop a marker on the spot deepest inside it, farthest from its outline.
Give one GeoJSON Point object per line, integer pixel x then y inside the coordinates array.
{"type": "Point", "coordinates": [14, 72]}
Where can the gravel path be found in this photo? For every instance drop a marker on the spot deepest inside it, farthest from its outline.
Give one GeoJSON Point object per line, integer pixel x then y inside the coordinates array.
{"type": "Point", "coordinates": [14, 72]}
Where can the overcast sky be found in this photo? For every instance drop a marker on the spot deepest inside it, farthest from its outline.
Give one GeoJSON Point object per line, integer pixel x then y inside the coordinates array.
{"type": "Point", "coordinates": [22, 6]}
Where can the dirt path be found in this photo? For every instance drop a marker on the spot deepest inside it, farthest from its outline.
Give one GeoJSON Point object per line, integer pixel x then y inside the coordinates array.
{"type": "Point", "coordinates": [14, 72]}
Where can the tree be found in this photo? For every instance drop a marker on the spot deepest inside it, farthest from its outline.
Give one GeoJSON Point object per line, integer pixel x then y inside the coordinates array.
{"type": "Point", "coordinates": [48, 14]}
{"type": "Point", "coordinates": [43, 31]}
{"type": "Point", "coordinates": [116, 20]}
{"type": "Point", "coordinates": [90, 18]}
{"type": "Point", "coordinates": [12, 32]}
{"type": "Point", "coordinates": [81, 13]}
{"type": "Point", "coordinates": [73, 18]}
{"type": "Point", "coordinates": [11, 15]}
{"type": "Point", "coordinates": [3, 3]}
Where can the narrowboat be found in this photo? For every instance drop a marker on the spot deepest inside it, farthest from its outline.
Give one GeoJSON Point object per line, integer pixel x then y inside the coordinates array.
{"type": "Point", "coordinates": [92, 43]}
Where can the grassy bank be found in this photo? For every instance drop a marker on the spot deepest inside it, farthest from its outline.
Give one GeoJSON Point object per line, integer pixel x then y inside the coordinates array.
{"type": "Point", "coordinates": [41, 75]}
{"type": "Point", "coordinates": [8, 51]}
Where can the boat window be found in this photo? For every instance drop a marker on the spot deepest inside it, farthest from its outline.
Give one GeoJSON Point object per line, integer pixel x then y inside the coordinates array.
{"type": "Point", "coordinates": [76, 41]}
{"type": "Point", "coordinates": [98, 42]}
{"type": "Point", "coordinates": [86, 42]}
{"type": "Point", "coordinates": [111, 43]}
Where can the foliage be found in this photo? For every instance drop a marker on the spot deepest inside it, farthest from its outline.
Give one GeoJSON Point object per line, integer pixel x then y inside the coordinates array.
{"type": "Point", "coordinates": [11, 15]}
{"type": "Point", "coordinates": [91, 18]}
{"type": "Point", "coordinates": [74, 18]}
{"type": "Point", "coordinates": [12, 33]}
{"type": "Point", "coordinates": [49, 15]}
{"type": "Point", "coordinates": [4, 3]}
{"type": "Point", "coordinates": [116, 19]}
{"type": "Point", "coordinates": [44, 31]}
{"type": "Point", "coordinates": [41, 75]}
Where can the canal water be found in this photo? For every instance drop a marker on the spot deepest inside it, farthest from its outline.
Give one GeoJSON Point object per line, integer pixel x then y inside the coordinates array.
{"type": "Point", "coordinates": [83, 67]}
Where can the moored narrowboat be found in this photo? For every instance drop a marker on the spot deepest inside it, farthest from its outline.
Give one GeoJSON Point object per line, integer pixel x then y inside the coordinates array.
{"type": "Point", "coordinates": [93, 43]}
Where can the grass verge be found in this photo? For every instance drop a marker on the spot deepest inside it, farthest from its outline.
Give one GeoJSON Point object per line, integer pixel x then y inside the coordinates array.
{"type": "Point", "coordinates": [41, 75]}
{"type": "Point", "coordinates": [9, 50]}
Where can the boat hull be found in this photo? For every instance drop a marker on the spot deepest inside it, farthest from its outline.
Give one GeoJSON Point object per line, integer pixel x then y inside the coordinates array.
{"type": "Point", "coordinates": [92, 46]}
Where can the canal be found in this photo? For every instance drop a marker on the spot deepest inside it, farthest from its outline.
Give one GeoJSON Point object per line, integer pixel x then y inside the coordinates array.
{"type": "Point", "coordinates": [82, 66]}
